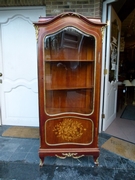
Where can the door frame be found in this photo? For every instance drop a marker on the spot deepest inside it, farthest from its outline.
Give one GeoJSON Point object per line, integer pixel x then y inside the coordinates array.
{"type": "Point", "coordinates": [104, 20]}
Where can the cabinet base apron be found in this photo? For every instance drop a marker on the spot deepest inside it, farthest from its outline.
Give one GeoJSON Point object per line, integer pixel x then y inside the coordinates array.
{"type": "Point", "coordinates": [74, 153]}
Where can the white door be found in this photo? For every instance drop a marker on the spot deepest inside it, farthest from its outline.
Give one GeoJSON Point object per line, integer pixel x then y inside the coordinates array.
{"type": "Point", "coordinates": [111, 69]}
{"type": "Point", "coordinates": [18, 64]}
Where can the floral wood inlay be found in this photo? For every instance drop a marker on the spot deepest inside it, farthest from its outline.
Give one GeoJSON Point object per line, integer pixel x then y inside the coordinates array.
{"type": "Point", "coordinates": [69, 129]}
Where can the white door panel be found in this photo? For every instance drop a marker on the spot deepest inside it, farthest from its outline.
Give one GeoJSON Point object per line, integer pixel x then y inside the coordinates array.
{"type": "Point", "coordinates": [19, 102]}
{"type": "Point", "coordinates": [21, 106]}
{"type": "Point", "coordinates": [19, 61]}
{"type": "Point", "coordinates": [111, 64]}
{"type": "Point", "coordinates": [110, 111]}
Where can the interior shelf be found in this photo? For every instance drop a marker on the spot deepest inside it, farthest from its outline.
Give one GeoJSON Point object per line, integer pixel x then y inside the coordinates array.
{"type": "Point", "coordinates": [71, 60]}
{"type": "Point", "coordinates": [73, 100]}
{"type": "Point", "coordinates": [48, 88]}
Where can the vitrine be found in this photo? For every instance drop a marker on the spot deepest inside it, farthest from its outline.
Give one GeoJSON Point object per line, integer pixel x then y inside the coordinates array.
{"type": "Point", "coordinates": [69, 72]}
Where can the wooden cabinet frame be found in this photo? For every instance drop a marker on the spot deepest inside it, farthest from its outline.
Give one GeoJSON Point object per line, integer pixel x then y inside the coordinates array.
{"type": "Point", "coordinates": [69, 73]}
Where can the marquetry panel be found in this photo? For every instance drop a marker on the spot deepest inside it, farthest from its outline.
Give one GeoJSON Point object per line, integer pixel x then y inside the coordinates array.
{"type": "Point", "coordinates": [69, 130]}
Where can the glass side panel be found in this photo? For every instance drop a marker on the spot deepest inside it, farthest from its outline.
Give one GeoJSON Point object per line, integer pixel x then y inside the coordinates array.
{"type": "Point", "coordinates": [69, 63]}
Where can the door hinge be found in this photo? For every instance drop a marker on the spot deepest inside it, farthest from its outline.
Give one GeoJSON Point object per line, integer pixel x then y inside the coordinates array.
{"type": "Point", "coordinates": [108, 23]}
{"type": "Point", "coordinates": [103, 116]}
{"type": "Point", "coordinates": [105, 71]}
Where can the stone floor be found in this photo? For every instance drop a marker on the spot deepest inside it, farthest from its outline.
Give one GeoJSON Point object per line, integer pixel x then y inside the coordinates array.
{"type": "Point", "coordinates": [19, 161]}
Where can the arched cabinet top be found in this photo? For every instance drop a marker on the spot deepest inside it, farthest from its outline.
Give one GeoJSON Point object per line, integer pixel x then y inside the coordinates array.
{"type": "Point", "coordinates": [69, 19]}
{"type": "Point", "coordinates": [68, 15]}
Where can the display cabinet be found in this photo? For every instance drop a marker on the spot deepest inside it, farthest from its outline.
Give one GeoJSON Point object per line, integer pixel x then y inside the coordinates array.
{"type": "Point", "coordinates": [69, 73]}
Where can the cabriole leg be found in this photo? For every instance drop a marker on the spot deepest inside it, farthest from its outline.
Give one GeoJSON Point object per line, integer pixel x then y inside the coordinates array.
{"type": "Point", "coordinates": [41, 162]}
{"type": "Point", "coordinates": [96, 161]}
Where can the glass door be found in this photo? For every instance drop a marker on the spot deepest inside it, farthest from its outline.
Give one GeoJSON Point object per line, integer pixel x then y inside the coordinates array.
{"type": "Point", "coordinates": [69, 68]}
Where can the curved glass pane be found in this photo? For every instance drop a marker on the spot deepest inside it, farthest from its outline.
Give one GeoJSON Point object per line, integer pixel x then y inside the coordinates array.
{"type": "Point", "coordinates": [69, 60]}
